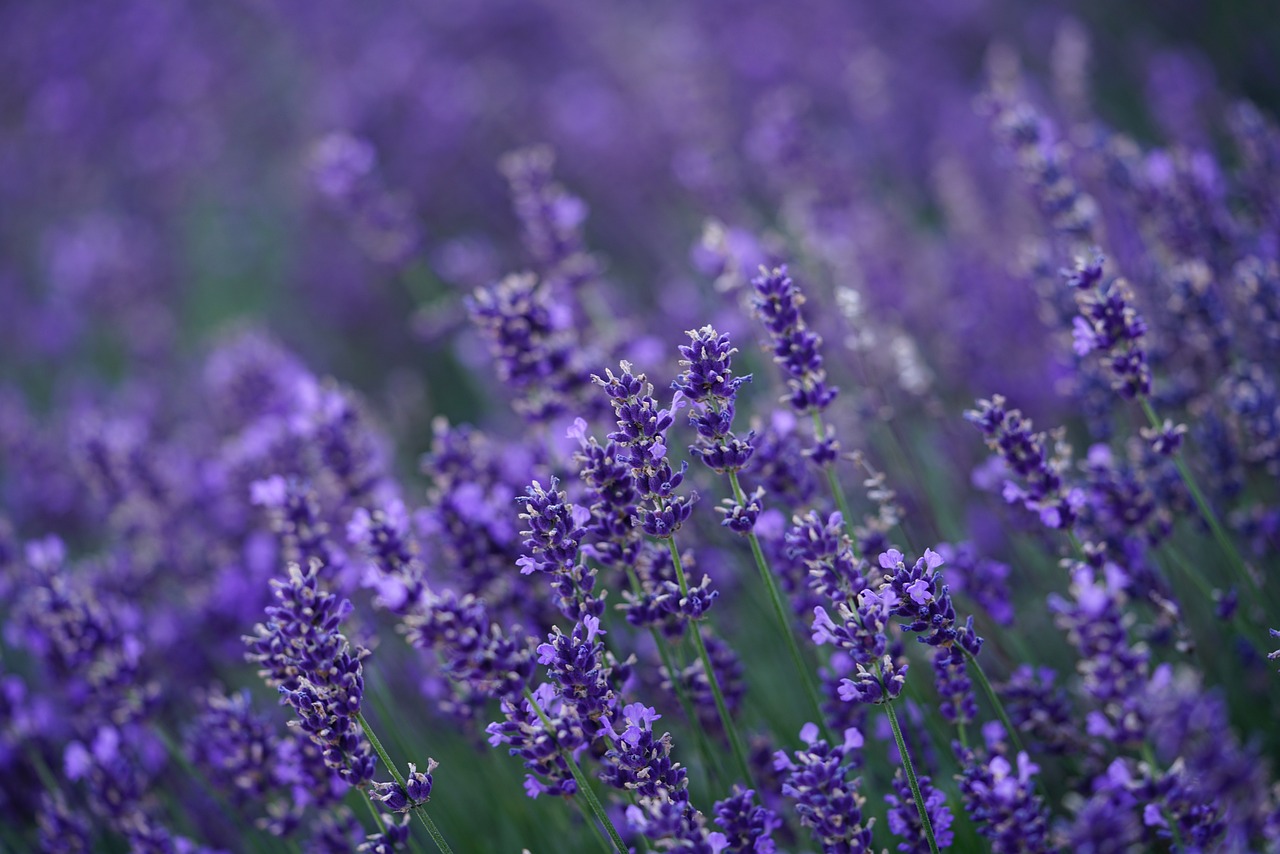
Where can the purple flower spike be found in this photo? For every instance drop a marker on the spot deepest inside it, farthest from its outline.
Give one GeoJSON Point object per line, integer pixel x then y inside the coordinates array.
{"type": "Point", "coordinates": [1000, 798]}
{"type": "Point", "coordinates": [795, 346]}
{"type": "Point", "coordinates": [904, 819]}
{"type": "Point", "coordinates": [418, 784]}
{"type": "Point", "coordinates": [709, 384]}
{"type": "Point", "coordinates": [534, 346]}
{"type": "Point", "coordinates": [641, 438]}
{"type": "Point", "coordinates": [304, 654]}
{"type": "Point", "coordinates": [552, 545]}
{"type": "Point", "coordinates": [1039, 485]}
{"type": "Point", "coordinates": [1109, 324]}
{"type": "Point", "coordinates": [748, 827]}
{"type": "Point", "coordinates": [827, 801]}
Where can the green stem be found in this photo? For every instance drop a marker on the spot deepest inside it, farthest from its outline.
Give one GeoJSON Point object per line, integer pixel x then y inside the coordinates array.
{"type": "Point", "coordinates": [695, 724]}
{"type": "Point", "coordinates": [1175, 557]}
{"type": "Point", "coordinates": [584, 785]}
{"type": "Point", "coordinates": [911, 777]}
{"type": "Point", "coordinates": [833, 481]}
{"type": "Point", "coordinates": [597, 832]}
{"type": "Point", "coordinates": [704, 749]}
{"type": "Point", "coordinates": [419, 809]}
{"type": "Point", "coordinates": [995, 700]}
{"type": "Point", "coordinates": [1206, 511]}
{"type": "Point", "coordinates": [730, 729]}
{"type": "Point", "coordinates": [373, 811]}
{"type": "Point", "coordinates": [780, 611]}
{"type": "Point", "coordinates": [1178, 844]}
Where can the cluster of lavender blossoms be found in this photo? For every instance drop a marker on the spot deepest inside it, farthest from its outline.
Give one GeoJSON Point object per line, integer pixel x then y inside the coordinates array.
{"type": "Point", "coordinates": [337, 514]}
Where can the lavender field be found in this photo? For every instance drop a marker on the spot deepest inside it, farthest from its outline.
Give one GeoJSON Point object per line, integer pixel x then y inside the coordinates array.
{"type": "Point", "coordinates": [568, 426]}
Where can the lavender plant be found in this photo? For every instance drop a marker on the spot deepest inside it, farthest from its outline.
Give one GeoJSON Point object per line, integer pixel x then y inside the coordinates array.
{"type": "Point", "coordinates": [325, 443]}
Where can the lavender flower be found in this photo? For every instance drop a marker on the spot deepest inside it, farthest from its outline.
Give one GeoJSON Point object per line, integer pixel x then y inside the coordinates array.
{"type": "Point", "coordinates": [305, 656]}
{"type": "Point", "coordinates": [828, 803]}
{"type": "Point", "coordinates": [748, 827]}
{"type": "Point", "coordinates": [543, 752]}
{"type": "Point", "coordinates": [1067, 208]}
{"type": "Point", "coordinates": [1109, 324]}
{"type": "Point", "coordinates": [534, 348]}
{"type": "Point", "coordinates": [956, 701]}
{"type": "Point", "coordinates": [982, 580]}
{"type": "Point", "coordinates": [335, 831]}
{"type": "Point", "coordinates": [611, 490]}
{"type": "Point", "coordinates": [642, 431]}
{"type": "Point", "coordinates": [551, 546]}
{"type": "Point", "coordinates": [60, 829]}
{"type": "Point", "coordinates": [741, 517]}
{"type": "Point", "coordinates": [1040, 708]}
{"type": "Point", "coordinates": [384, 538]}
{"type": "Point", "coordinates": [824, 548]}
{"type": "Point", "coordinates": [1166, 440]}
{"type": "Point", "coordinates": [344, 172]}
{"type": "Point", "coordinates": [342, 166]}
{"type": "Point", "coordinates": [83, 639]}
{"type": "Point", "coordinates": [235, 745]}
{"type": "Point", "coordinates": [1000, 798]}
{"type": "Point", "coordinates": [415, 791]}
{"type": "Point", "coordinates": [1212, 786]}
{"type": "Point", "coordinates": [796, 348]}
{"type": "Point", "coordinates": [1041, 486]}
{"type": "Point", "coordinates": [904, 818]}
{"type": "Point", "coordinates": [576, 662]}
{"type": "Point", "coordinates": [1257, 286]}
{"type": "Point", "coordinates": [709, 384]}
{"type": "Point", "coordinates": [779, 462]}
{"type": "Point", "coordinates": [347, 456]}
{"type": "Point", "coordinates": [676, 825]}
{"type": "Point", "coordinates": [1113, 670]}
{"type": "Point", "coordinates": [395, 838]}
{"type": "Point", "coordinates": [477, 652]}
{"type": "Point", "coordinates": [919, 598]}
{"type": "Point", "coordinates": [1109, 818]}
{"type": "Point", "coordinates": [551, 218]}
{"type": "Point", "coordinates": [295, 516]}
{"type": "Point", "coordinates": [639, 760]}
{"type": "Point", "coordinates": [863, 627]}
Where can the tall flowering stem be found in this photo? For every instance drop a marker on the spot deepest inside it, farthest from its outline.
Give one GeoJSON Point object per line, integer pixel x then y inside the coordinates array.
{"type": "Point", "coordinates": [780, 612]}
{"type": "Point", "coordinates": [828, 803]}
{"type": "Point", "coordinates": [584, 785]}
{"type": "Point", "coordinates": [682, 696]}
{"type": "Point", "coordinates": [726, 720]}
{"type": "Point", "coordinates": [707, 381]}
{"type": "Point", "coordinates": [417, 809]}
{"type": "Point", "coordinates": [1110, 325]}
{"type": "Point", "coordinates": [996, 702]}
{"type": "Point", "coordinates": [614, 542]}
{"type": "Point", "coordinates": [910, 769]}
{"type": "Point", "coordinates": [862, 631]}
{"type": "Point", "coordinates": [304, 654]}
{"type": "Point", "coordinates": [797, 349]}
{"type": "Point", "coordinates": [641, 440]}
{"type": "Point", "coordinates": [826, 435]}
{"type": "Point", "coordinates": [1202, 504]}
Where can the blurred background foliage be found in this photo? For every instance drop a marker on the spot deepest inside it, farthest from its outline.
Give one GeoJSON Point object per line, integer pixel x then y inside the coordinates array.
{"type": "Point", "coordinates": [182, 133]}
